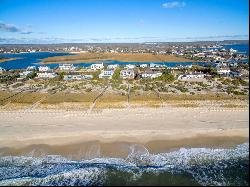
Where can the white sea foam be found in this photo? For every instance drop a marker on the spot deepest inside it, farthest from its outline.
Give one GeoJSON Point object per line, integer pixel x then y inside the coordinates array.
{"type": "Point", "coordinates": [206, 165]}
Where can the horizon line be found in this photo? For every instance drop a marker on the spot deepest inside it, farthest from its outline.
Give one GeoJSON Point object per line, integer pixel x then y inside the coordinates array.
{"type": "Point", "coordinates": [123, 42]}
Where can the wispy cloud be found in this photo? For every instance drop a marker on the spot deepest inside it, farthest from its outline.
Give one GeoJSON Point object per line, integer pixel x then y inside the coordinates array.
{"type": "Point", "coordinates": [13, 28]}
{"type": "Point", "coordinates": [9, 27]}
{"type": "Point", "coordinates": [174, 4]}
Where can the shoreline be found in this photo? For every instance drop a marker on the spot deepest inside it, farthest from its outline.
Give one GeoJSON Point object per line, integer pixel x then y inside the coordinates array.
{"type": "Point", "coordinates": [121, 149]}
{"type": "Point", "coordinates": [113, 131]}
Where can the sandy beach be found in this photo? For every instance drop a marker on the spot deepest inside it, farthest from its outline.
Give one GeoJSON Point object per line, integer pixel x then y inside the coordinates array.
{"type": "Point", "coordinates": [111, 132]}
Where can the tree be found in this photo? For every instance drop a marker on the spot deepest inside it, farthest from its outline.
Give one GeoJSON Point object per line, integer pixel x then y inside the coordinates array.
{"type": "Point", "coordinates": [167, 76]}
{"type": "Point", "coordinates": [96, 74]}
{"type": "Point", "coordinates": [116, 74]}
{"type": "Point", "coordinates": [61, 75]}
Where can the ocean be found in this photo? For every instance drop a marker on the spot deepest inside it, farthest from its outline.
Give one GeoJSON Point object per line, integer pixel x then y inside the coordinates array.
{"type": "Point", "coordinates": [186, 166]}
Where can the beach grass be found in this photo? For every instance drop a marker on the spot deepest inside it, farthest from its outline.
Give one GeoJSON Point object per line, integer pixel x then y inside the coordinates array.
{"type": "Point", "coordinates": [62, 97]}
{"type": "Point", "coordinates": [120, 100]}
{"type": "Point", "coordinates": [111, 100]}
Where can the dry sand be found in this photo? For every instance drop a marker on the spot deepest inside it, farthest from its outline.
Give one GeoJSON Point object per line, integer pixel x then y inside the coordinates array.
{"type": "Point", "coordinates": [111, 132]}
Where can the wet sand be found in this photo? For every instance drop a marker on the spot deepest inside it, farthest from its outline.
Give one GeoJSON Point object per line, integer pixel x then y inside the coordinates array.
{"type": "Point", "coordinates": [95, 149]}
{"type": "Point", "coordinates": [115, 132]}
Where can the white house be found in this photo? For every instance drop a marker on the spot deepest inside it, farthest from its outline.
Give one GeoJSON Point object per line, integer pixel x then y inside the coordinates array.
{"type": "Point", "coordinates": [191, 76]}
{"type": "Point", "coordinates": [112, 66]}
{"type": "Point", "coordinates": [24, 74]}
{"type": "Point", "coordinates": [106, 74]}
{"type": "Point", "coordinates": [143, 65]}
{"type": "Point", "coordinates": [43, 68]}
{"type": "Point", "coordinates": [152, 65]}
{"type": "Point", "coordinates": [130, 66]}
{"type": "Point", "coordinates": [127, 74]}
{"type": "Point", "coordinates": [73, 77]}
{"type": "Point", "coordinates": [67, 67]}
{"type": "Point", "coordinates": [151, 74]}
{"type": "Point", "coordinates": [30, 68]}
{"type": "Point", "coordinates": [46, 75]}
{"type": "Point", "coordinates": [97, 66]}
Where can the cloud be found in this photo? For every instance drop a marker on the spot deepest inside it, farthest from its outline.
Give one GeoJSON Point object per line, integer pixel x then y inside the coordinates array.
{"type": "Point", "coordinates": [13, 28]}
{"type": "Point", "coordinates": [174, 4]}
{"type": "Point", "coordinates": [9, 27]}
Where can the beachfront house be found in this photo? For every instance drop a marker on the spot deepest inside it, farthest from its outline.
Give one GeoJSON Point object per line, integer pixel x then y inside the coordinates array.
{"type": "Point", "coordinates": [73, 77]}
{"type": "Point", "coordinates": [112, 66]}
{"type": "Point", "coordinates": [67, 67]}
{"type": "Point", "coordinates": [195, 75]}
{"type": "Point", "coordinates": [127, 74]}
{"type": "Point", "coordinates": [76, 76]}
{"type": "Point", "coordinates": [150, 74]}
{"type": "Point", "coordinates": [43, 68]}
{"type": "Point", "coordinates": [46, 75]}
{"type": "Point", "coordinates": [106, 74]}
{"type": "Point", "coordinates": [97, 66]}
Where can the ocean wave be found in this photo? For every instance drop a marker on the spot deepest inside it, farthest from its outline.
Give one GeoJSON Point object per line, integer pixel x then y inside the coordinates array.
{"type": "Point", "coordinates": [203, 166]}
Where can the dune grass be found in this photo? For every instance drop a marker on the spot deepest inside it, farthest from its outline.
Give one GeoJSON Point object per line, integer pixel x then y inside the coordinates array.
{"type": "Point", "coordinates": [123, 57]}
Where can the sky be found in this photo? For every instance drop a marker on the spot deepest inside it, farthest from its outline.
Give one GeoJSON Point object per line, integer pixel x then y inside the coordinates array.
{"type": "Point", "coordinates": [112, 21]}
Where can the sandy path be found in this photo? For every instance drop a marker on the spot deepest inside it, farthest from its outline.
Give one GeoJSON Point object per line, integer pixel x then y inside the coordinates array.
{"type": "Point", "coordinates": [111, 125]}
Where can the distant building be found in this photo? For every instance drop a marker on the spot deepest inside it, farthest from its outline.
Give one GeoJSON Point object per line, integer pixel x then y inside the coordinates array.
{"type": "Point", "coordinates": [106, 74]}
{"type": "Point", "coordinates": [112, 66]}
{"type": "Point", "coordinates": [130, 66]}
{"type": "Point", "coordinates": [43, 68]}
{"type": "Point", "coordinates": [97, 66]}
{"type": "Point", "coordinates": [31, 68]}
{"type": "Point", "coordinates": [67, 67]}
{"type": "Point", "coordinates": [127, 74]}
{"type": "Point", "coordinates": [46, 75]}
{"type": "Point", "coordinates": [152, 66]}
